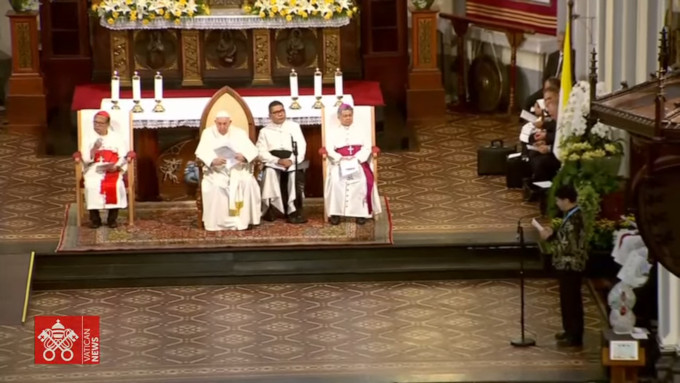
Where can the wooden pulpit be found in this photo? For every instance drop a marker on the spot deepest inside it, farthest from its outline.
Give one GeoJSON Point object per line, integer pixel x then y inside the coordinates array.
{"type": "Point", "coordinates": [26, 106]}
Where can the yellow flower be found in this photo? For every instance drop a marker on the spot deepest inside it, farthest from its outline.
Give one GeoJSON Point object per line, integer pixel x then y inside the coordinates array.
{"type": "Point", "coordinates": [165, 16]}
{"type": "Point", "coordinates": [289, 18]}
{"type": "Point", "coordinates": [133, 17]}
{"type": "Point", "coordinates": [95, 7]}
{"type": "Point", "coordinates": [611, 148]}
{"type": "Point", "coordinates": [293, 3]}
{"type": "Point", "coordinates": [338, 9]}
{"type": "Point", "coordinates": [190, 13]}
{"type": "Point", "coordinates": [328, 16]}
{"type": "Point", "coordinates": [350, 13]}
{"type": "Point", "coordinates": [177, 21]}
{"type": "Point", "coordinates": [275, 9]}
{"type": "Point", "coordinates": [315, 12]}
{"type": "Point", "coordinates": [152, 16]}
{"type": "Point", "coordinates": [128, 2]}
{"type": "Point", "coordinates": [247, 9]}
{"type": "Point", "coordinates": [272, 14]}
{"type": "Point", "coordinates": [283, 12]}
{"type": "Point", "coordinates": [207, 10]}
{"type": "Point", "coordinates": [145, 22]}
{"type": "Point", "coordinates": [304, 14]}
{"type": "Point", "coordinates": [114, 15]}
{"type": "Point", "coordinates": [574, 157]}
{"type": "Point", "coordinates": [110, 21]}
{"type": "Point", "coordinates": [354, 9]}
{"type": "Point", "coordinates": [160, 11]}
{"type": "Point", "coordinates": [262, 15]}
{"type": "Point", "coordinates": [177, 13]}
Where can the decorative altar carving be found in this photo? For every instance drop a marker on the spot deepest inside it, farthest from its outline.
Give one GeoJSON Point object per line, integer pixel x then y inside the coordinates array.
{"type": "Point", "coordinates": [229, 45]}
{"type": "Point", "coordinates": [655, 161]}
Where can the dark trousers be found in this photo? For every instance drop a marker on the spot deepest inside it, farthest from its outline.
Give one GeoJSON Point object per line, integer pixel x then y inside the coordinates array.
{"type": "Point", "coordinates": [571, 303]}
{"type": "Point", "coordinates": [544, 167]}
{"type": "Point", "coordinates": [299, 190]}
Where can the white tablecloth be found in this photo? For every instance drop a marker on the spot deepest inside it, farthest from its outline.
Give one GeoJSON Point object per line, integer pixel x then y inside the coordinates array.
{"type": "Point", "coordinates": [186, 112]}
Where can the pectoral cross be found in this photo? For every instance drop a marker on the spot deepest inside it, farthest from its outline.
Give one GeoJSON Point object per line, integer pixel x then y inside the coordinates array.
{"type": "Point", "coordinates": [351, 150]}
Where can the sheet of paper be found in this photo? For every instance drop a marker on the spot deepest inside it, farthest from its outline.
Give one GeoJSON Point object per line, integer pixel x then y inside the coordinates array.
{"type": "Point", "coordinates": [527, 131]}
{"type": "Point", "coordinates": [513, 155]}
{"type": "Point", "coordinates": [537, 225]}
{"type": "Point", "coordinates": [349, 167]}
{"type": "Point", "coordinates": [541, 103]}
{"type": "Point", "coordinates": [544, 184]}
{"type": "Point", "coordinates": [528, 116]}
{"type": "Point", "coordinates": [225, 152]}
{"type": "Point", "coordinates": [102, 166]}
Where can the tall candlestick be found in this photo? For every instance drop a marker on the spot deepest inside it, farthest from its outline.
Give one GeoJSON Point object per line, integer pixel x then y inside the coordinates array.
{"type": "Point", "coordinates": [136, 93]}
{"type": "Point", "coordinates": [115, 90]}
{"type": "Point", "coordinates": [294, 91]}
{"type": "Point", "coordinates": [317, 89]}
{"type": "Point", "coordinates": [158, 92]}
{"type": "Point", "coordinates": [338, 87]}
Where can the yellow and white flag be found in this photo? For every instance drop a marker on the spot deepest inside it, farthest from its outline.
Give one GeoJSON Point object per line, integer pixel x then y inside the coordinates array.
{"type": "Point", "coordinates": [565, 85]}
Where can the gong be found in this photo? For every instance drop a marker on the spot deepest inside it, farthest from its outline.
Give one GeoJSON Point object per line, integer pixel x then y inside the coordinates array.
{"type": "Point", "coordinates": [487, 83]}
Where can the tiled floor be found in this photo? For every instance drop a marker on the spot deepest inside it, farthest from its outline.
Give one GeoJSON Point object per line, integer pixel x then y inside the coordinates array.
{"type": "Point", "coordinates": [378, 332]}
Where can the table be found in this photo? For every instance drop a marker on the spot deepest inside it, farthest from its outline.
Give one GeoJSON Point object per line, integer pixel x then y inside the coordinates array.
{"type": "Point", "coordinates": [187, 112]}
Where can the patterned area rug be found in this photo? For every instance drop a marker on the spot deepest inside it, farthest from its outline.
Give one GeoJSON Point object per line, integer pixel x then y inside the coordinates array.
{"type": "Point", "coordinates": [170, 225]}
{"type": "Point", "coordinates": [435, 331]}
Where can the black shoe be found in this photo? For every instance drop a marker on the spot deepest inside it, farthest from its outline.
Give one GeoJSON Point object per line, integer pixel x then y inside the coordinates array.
{"type": "Point", "coordinates": [335, 220]}
{"type": "Point", "coordinates": [112, 224]}
{"type": "Point", "coordinates": [95, 224]}
{"type": "Point", "coordinates": [561, 336]}
{"type": "Point", "coordinates": [270, 215]}
{"type": "Point", "coordinates": [111, 218]}
{"type": "Point", "coordinates": [361, 221]}
{"type": "Point", "coordinates": [296, 219]}
{"type": "Point", "coordinates": [95, 219]}
{"type": "Point", "coordinates": [570, 342]}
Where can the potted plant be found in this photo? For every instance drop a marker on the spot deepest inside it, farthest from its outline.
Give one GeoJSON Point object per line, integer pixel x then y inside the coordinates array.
{"type": "Point", "coordinates": [422, 5]}
{"type": "Point", "coordinates": [20, 6]}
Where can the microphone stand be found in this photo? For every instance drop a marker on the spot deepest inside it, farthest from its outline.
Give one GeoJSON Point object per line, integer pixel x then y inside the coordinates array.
{"type": "Point", "coordinates": [523, 341]}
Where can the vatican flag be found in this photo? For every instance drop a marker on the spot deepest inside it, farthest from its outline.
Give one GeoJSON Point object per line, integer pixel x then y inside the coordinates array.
{"type": "Point", "coordinates": [565, 85]}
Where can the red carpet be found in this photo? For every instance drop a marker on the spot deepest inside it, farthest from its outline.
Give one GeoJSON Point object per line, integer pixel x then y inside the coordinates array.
{"type": "Point", "coordinates": [90, 96]}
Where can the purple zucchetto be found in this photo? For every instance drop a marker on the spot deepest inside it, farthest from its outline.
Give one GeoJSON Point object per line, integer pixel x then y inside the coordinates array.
{"type": "Point", "coordinates": [344, 107]}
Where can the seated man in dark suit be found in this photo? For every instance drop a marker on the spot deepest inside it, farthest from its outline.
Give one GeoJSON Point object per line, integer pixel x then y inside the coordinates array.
{"type": "Point", "coordinates": [553, 68]}
{"type": "Point", "coordinates": [544, 164]}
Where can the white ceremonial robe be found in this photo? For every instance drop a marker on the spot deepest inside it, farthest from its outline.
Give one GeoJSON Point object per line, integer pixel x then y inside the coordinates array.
{"type": "Point", "coordinates": [279, 137]}
{"type": "Point", "coordinates": [346, 196]}
{"type": "Point", "coordinates": [231, 195]}
{"type": "Point", "coordinates": [104, 190]}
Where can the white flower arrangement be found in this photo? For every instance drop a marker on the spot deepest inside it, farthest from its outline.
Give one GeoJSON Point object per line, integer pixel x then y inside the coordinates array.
{"type": "Point", "coordinates": [422, 4]}
{"type": "Point", "coordinates": [577, 142]}
{"type": "Point", "coordinates": [145, 11]}
{"type": "Point", "coordinates": [292, 9]}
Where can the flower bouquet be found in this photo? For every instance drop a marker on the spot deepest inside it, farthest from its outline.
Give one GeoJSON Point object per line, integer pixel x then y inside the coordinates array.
{"type": "Point", "coordinates": [145, 11]}
{"type": "Point", "coordinates": [302, 9]}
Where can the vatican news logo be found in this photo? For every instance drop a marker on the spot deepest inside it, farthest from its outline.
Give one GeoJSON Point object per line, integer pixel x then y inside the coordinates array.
{"type": "Point", "coordinates": [67, 340]}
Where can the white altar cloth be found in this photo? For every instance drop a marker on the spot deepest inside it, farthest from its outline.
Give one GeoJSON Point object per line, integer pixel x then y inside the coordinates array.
{"type": "Point", "coordinates": [187, 112]}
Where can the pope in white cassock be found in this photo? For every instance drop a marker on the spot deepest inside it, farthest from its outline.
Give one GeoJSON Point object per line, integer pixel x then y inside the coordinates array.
{"type": "Point", "coordinates": [231, 195]}
{"type": "Point", "coordinates": [104, 163]}
{"type": "Point", "coordinates": [283, 182]}
{"type": "Point", "coordinates": [350, 189]}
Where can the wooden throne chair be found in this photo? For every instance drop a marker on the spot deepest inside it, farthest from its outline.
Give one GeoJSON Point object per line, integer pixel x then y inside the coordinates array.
{"type": "Point", "coordinates": [241, 117]}
{"type": "Point", "coordinates": [121, 123]}
{"type": "Point", "coordinates": [364, 116]}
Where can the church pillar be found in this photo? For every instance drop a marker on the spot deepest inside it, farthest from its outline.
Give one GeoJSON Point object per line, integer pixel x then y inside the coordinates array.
{"type": "Point", "coordinates": [262, 59]}
{"type": "Point", "coordinates": [191, 58]}
{"type": "Point", "coordinates": [26, 104]}
{"type": "Point", "coordinates": [331, 54]}
{"type": "Point", "coordinates": [425, 95]}
{"type": "Point", "coordinates": [669, 310]}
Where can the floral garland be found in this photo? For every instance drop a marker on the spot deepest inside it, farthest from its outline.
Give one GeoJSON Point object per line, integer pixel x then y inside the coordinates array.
{"type": "Point", "coordinates": [291, 9]}
{"type": "Point", "coordinates": [145, 11]}
{"type": "Point", "coordinates": [577, 142]}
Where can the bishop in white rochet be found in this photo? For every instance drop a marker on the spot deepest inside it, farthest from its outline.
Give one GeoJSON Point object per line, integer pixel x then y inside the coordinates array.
{"type": "Point", "coordinates": [104, 162]}
{"type": "Point", "coordinates": [231, 195]}
{"type": "Point", "coordinates": [283, 182]}
{"type": "Point", "coordinates": [350, 189]}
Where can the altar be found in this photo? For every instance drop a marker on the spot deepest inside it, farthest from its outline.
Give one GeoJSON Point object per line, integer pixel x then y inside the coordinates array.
{"type": "Point", "coordinates": [228, 46]}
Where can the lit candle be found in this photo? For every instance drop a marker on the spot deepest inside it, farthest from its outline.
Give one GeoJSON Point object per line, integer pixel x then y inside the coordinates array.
{"type": "Point", "coordinates": [338, 83]}
{"type": "Point", "coordinates": [317, 83]}
{"type": "Point", "coordinates": [294, 92]}
{"type": "Point", "coordinates": [115, 87]}
{"type": "Point", "coordinates": [136, 88]}
{"type": "Point", "coordinates": [158, 86]}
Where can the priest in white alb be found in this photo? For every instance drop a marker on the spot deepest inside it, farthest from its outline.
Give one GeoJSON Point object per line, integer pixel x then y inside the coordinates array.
{"type": "Point", "coordinates": [350, 189]}
{"type": "Point", "coordinates": [231, 195]}
{"type": "Point", "coordinates": [282, 149]}
{"type": "Point", "coordinates": [104, 163]}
